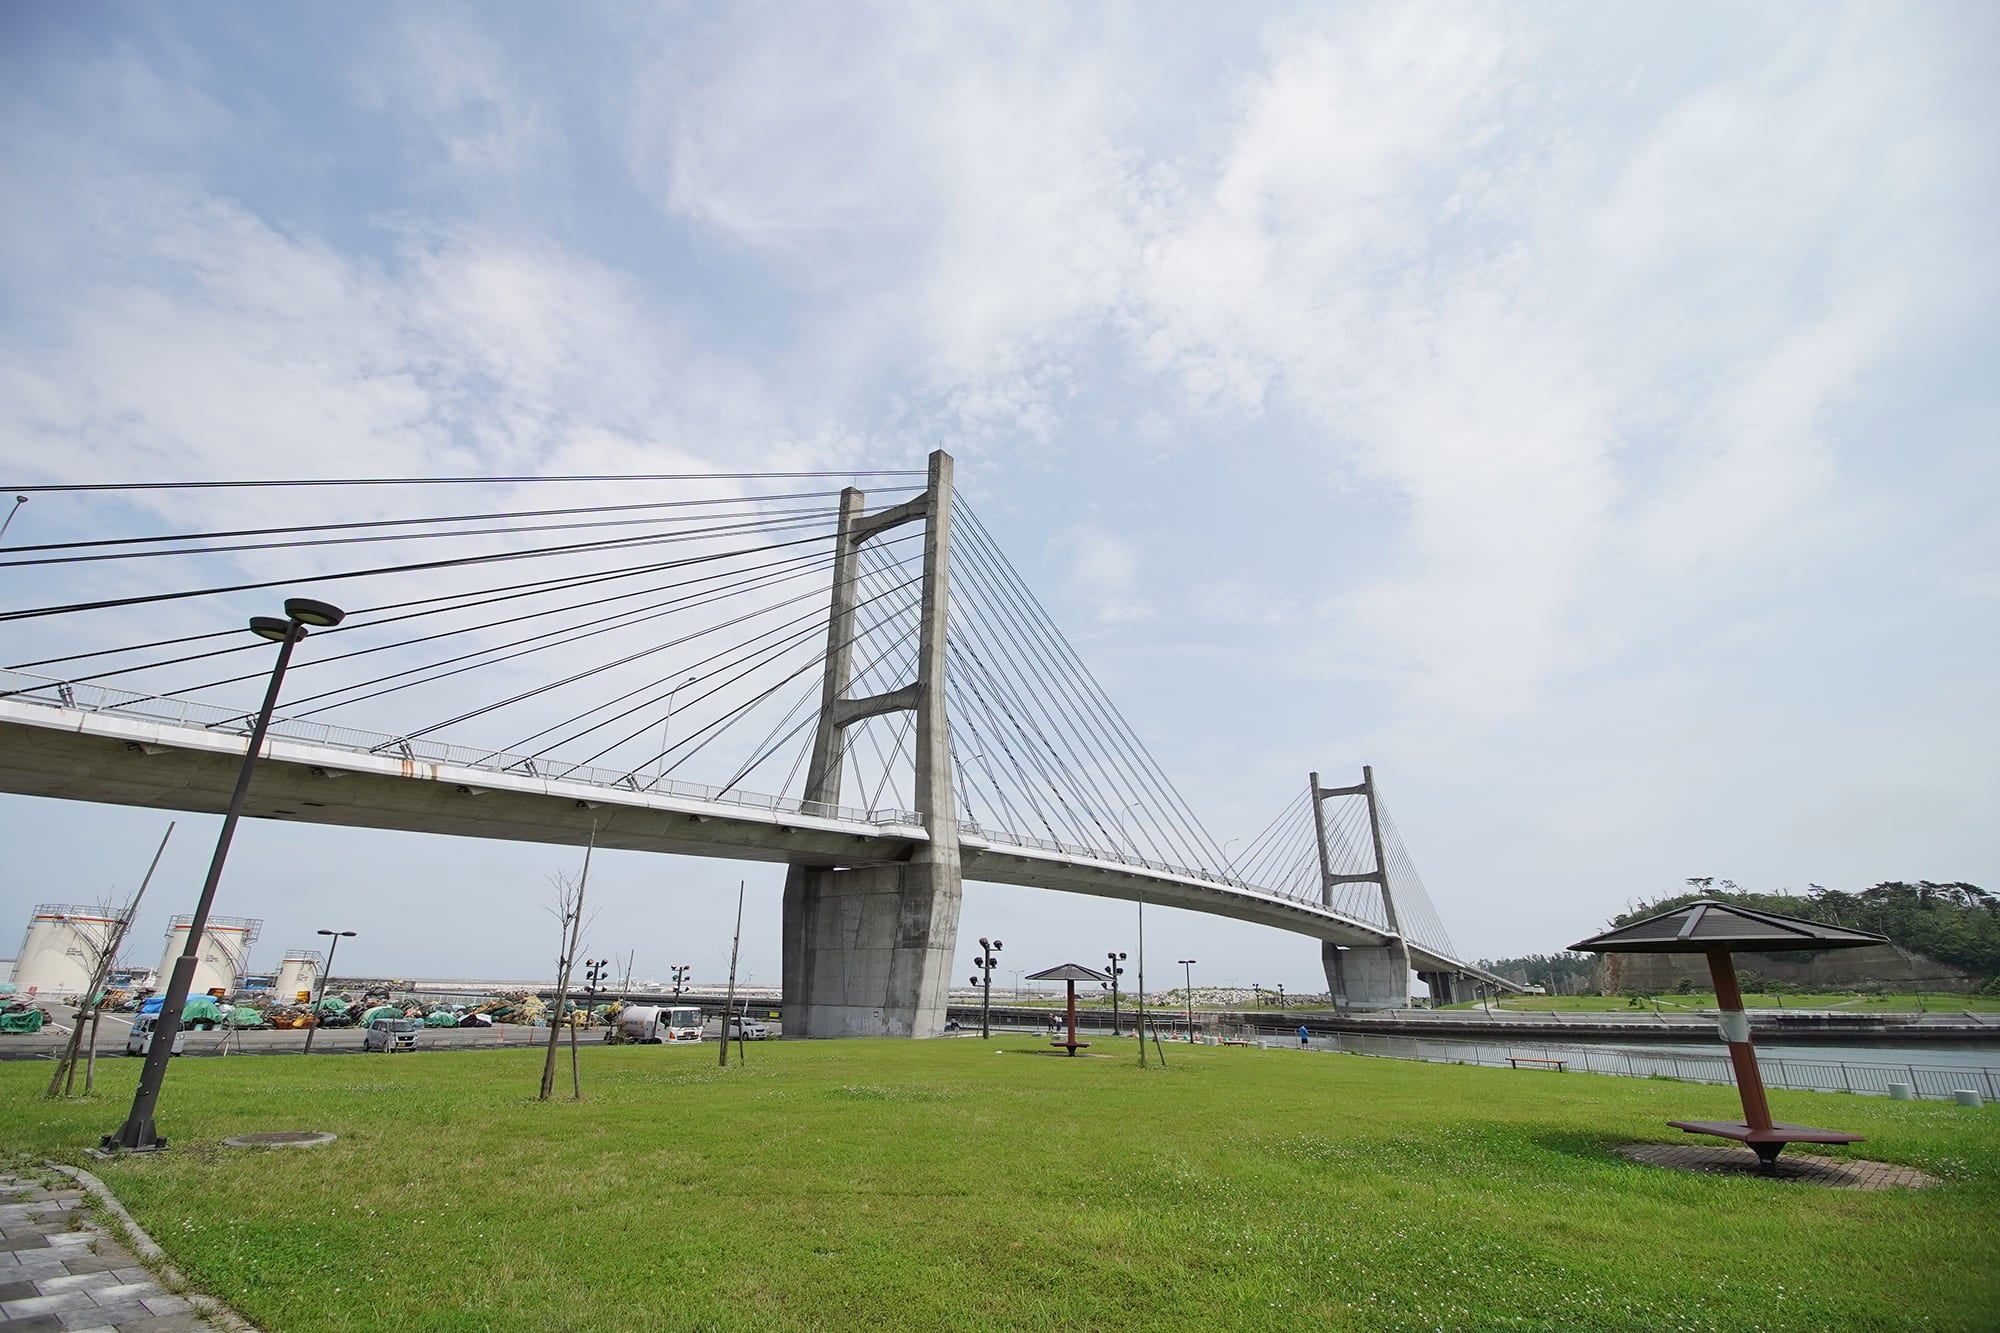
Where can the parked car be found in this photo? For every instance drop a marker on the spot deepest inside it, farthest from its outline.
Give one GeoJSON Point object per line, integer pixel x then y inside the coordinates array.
{"type": "Point", "coordinates": [747, 1030]}
{"type": "Point", "coordinates": [140, 1039]}
{"type": "Point", "coordinates": [391, 1034]}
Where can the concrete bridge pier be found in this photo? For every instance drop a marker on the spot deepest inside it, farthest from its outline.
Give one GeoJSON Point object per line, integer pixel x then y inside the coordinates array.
{"type": "Point", "coordinates": [1450, 987]}
{"type": "Point", "coordinates": [1375, 977]}
{"type": "Point", "coordinates": [868, 949]}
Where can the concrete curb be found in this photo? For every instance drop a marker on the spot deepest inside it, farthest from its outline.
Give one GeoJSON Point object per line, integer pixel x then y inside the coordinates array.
{"type": "Point", "coordinates": [154, 1257]}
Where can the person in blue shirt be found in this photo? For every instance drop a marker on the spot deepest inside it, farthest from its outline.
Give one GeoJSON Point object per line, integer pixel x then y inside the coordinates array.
{"type": "Point", "coordinates": [1303, 1034]}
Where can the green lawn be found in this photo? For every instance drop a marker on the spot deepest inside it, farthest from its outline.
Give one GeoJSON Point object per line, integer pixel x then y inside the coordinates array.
{"type": "Point", "coordinates": [1843, 1001]}
{"type": "Point", "coordinates": [938, 1185]}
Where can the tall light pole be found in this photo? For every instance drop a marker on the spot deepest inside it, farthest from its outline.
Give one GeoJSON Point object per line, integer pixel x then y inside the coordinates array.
{"type": "Point", "coordinates": [312, 1019]}
{"type": "Point", "coordinates": [1188, 964]}
{"type": "Point", "coordinates": [665, 724]}
{"type": "Point", "coordinates": [681, 971]}
{"type": "Point", "coordinates": [984, 980]}
{"type": "Point", "coordinates": [1112, 958]}
{"type": "Point", "coordinates": [19, 500]}
{"type": "Point", "coordinates": [137, 1134]}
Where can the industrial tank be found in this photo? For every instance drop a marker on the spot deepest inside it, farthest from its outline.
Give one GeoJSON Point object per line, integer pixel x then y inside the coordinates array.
{"type": "Point", "coordinates": [62, 947]}
{"type": "Point", "coordinates": [224, 956]}
{"type": "Point", "coordinates": [299, 971]}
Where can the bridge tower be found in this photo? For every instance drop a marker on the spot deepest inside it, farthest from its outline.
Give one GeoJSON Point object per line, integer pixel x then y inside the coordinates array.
{"type": "Point", "coordinates": [868, 949]}
{"type": "Point", "coordinates": [1376, 977]}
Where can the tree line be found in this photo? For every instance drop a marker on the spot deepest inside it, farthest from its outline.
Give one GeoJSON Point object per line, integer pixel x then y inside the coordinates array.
{"type": "Point", "coordinates": [1955, 923]}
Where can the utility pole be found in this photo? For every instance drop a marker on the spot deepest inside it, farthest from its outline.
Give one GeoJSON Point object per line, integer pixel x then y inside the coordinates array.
{"type": "Point", "coordinates": [1112, 958]}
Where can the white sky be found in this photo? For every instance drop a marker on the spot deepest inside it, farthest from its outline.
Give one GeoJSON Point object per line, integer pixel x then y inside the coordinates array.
{"type": "Point", "coordinates": [1584, 414]}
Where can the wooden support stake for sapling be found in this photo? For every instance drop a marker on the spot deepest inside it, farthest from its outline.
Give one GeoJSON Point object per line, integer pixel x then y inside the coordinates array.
{"type": "Point", "coordinates": [729, 1003]}
{"type": "Point", "coordinates": [575, 926]}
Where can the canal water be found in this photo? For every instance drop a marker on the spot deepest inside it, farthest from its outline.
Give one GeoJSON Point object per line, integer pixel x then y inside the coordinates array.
{"type": "Point", "coordinates": [1936, 1072]}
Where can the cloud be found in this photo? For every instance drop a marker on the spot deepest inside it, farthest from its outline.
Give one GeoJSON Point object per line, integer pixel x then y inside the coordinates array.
{"type": "Point", "coordinates": [465, 105]}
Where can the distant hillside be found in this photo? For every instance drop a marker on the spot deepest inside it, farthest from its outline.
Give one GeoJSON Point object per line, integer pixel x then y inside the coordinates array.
{"type": "Point", "coordinates": [1957, 924]}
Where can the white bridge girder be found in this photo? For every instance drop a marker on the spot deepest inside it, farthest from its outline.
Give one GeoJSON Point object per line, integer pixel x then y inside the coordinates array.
{"type": "Point", "coordinates": [107, 757]}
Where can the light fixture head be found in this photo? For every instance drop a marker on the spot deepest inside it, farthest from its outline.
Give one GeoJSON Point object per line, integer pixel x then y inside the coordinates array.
{"type": "Point", "coordinates": [270, 627]}
{"type": "Point", "coordinates": [996, 946]}
{"type": "Point", "coordinates": [321, 615]}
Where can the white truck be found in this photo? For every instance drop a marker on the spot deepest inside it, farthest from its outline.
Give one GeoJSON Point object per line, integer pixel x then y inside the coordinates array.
{"type": "Point", "coordinates": [652, 1024]}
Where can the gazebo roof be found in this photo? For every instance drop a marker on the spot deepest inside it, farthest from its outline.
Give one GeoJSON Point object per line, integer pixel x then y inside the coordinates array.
{"type": "Point", "coordinates": [1070, 972]}
{"type": "Point", "coordinates": [1706, 925]}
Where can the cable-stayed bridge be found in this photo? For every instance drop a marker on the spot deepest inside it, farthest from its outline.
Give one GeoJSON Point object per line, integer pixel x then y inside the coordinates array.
{"type": "Point", "coordinates": [882, 666]}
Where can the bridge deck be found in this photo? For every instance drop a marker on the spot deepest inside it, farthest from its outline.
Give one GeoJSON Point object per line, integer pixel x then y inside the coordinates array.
{"type": "Point", "coordinates": [155, 753]}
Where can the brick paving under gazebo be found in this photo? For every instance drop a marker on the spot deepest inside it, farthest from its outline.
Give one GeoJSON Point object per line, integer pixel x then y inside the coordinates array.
{"type": "Point", "coordinates": [1802, 1168]}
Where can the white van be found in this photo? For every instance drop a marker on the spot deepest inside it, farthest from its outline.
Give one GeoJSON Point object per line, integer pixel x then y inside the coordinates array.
{"type": "Point", "coordinates": [140, 1039]}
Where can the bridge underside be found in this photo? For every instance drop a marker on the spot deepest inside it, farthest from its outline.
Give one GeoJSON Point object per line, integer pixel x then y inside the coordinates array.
{"type": "Point", "coordinates": [105, 758]}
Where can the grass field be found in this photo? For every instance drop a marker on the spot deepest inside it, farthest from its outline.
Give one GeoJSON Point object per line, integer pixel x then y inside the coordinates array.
{"type": "Point", "coordinates": [1843, 1002]}
{"type": "Point", "coordinates": [939, 1185]}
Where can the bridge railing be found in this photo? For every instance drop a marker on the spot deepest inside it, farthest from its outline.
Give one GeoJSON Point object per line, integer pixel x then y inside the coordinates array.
{"type": "Point", "coordinates": [28, 688]}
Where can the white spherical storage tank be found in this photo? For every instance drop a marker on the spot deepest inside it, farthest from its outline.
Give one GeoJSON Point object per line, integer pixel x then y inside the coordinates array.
{"type": "Point", "coordinates": [224, 956]}
{"type": "Point", "coordinates": [62, 948]}
{"type": "Point", "coordinates": [299, 971]}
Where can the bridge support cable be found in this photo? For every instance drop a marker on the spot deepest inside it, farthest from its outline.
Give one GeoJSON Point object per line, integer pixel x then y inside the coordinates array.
{"type": "Point", "coordinates": [1061, 710]}
{"type": "Point", "coordinates": [1096, 703]}
{"type": "Point", "coordinates": [78, 557]}
{"type": "Point", "coordinates": [732, 673]}
{"type": "Point", "coordinates": [607, 546]}
{"type": "Point", "coordinates": [785, 569]}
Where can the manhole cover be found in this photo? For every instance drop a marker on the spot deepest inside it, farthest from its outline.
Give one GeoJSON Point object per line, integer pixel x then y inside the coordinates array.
{"type": "Point", "coordinates": [287, 1138]}
{"type": "Point", "coordinates": [1796, 1167]}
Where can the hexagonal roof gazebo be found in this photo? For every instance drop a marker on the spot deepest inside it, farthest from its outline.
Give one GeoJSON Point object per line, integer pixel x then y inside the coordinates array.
{"type": "Point", "coordinates": [1071, 973]}
{"type": "Point", "coordinates": [1715, 929]}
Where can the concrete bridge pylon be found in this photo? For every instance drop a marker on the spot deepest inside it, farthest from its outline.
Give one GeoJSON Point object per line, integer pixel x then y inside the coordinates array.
{"type": "Point", "coordinates": [1376, 977]}
{"type": "Point", "coordinates": [868, 948]}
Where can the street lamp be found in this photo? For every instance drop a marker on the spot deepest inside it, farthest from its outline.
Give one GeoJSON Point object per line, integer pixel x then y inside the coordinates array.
{"type": "Point", "coordinates": [681, 971]}
{"type": "Point", "coordinates": [137, 1134]}
{"type": "Point", "coordinates": [1188, 963]}
{"type": "Point", "coordinates": [326, 975]}
{"type": "Point", "coordinates": [1112, 958]}
{"type": "Point", "coordinates": [1281, 995]}
{"type": "Point", "coordinates": [984, 980]}
{"type": "Point", "coordinates": [666, 723]}
{"type": "Point", "coordinates": [19, 500]}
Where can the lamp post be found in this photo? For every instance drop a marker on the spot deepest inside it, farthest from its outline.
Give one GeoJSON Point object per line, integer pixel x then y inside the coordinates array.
{"type": "Point", "coordinates": [983, 979]}
{"type": "Point", "coordinates": [665, 724]}
{"type": "Point", "coordinates": [1281, 995]}
{"type": "Point", "coordinates": [681, 971]}
{"type": "Point", "coordinates": [137, 1134]}
{"type": "Point", "coordinates": [19, 500]}
{"type": "Point", "coordinates": [312, 1019]}
{"type": "Point", "coordinates": [1112, 958]}
{"type": "Point", "coordinates": [1188, 964]}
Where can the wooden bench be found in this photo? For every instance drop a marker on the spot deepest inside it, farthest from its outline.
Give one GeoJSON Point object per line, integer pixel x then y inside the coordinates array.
{"type": "Point", "coordinates": [1518, 1060]}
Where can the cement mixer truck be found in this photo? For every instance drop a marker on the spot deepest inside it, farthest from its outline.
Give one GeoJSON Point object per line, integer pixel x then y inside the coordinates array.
{"type": "Point", "coordinates": [651, 1024]}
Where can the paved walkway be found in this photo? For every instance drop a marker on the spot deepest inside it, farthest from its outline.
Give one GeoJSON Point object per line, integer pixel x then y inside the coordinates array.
{"type": "Point", "coordinates": [1804, 1168]}
{"type": "Point", "coordinates": [59, 1269]}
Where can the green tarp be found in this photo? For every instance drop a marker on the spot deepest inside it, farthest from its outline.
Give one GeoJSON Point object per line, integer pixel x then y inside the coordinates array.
{"type": "Point", "coordinates": [201, 1009]}
{"type": "Point", "coordinates": [440, 1018]}
{"type": "Point", "coordinates": [24, 1020]}
{"type": "Point", "coordinates": [381, 1011]}
{"type": "Point", "coordinates": [330, 1005]}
